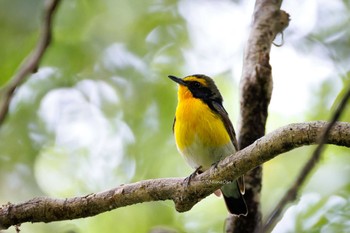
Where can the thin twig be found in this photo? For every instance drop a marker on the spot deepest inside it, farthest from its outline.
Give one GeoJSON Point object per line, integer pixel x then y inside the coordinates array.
{"type": "Point", "coordinates": [31, 62]}
{"type": "Point", "coordinates": [291, 194]}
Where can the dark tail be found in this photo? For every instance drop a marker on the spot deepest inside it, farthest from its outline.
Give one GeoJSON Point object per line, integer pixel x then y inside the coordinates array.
{"type": "Point", "coordinates": [234, 200]}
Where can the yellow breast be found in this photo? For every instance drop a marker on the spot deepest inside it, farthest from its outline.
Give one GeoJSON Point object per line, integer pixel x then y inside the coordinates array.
{"type": "Point", "coordinates": [196, 121]}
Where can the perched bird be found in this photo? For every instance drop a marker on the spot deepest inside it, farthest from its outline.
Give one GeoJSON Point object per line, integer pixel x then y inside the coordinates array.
{"type": "Point", "coordinates": [204, 133]}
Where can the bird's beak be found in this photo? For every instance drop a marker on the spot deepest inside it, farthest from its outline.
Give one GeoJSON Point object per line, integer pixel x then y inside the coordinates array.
{"type": "Point", "coordinates": [177, 80]}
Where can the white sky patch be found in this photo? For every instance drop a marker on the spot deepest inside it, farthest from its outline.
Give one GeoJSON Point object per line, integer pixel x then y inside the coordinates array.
{"type": "Point", "coordinates": [303, 16]}
{"type": "Point", "coordinates": [217, 30]}
{"type": "Point", "coordinates": [294, 76]}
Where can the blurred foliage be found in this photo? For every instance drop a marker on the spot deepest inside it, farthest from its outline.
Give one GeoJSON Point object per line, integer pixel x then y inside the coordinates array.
{"type": "Point", "coordinates": [99, 111]}
{"type": "Point", "coordinates": [315, 213]}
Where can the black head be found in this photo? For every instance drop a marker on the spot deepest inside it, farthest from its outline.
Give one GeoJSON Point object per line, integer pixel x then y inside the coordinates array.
{"type": "Point", "coordinates": [201, 86]}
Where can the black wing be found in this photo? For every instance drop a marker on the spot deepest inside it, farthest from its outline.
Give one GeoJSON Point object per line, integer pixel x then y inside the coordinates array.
{"type": "Point", "coordinates": [230, 130]}
{"type": "Point", "coordinates": [228, 125]}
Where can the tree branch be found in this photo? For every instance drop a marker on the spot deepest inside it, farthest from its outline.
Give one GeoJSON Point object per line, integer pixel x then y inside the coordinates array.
{"type": "Point", "coordinates": [291, 194]}
{"type": "Point", "coordinates": [31, 63]}
{"type": "Point", "coordinates": [255, 95]}
{"type": "Point", "coordinates": [45, 209]}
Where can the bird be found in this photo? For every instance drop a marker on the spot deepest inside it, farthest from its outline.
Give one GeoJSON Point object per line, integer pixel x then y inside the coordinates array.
{"type": "Point", "coordinates": [204, 134]}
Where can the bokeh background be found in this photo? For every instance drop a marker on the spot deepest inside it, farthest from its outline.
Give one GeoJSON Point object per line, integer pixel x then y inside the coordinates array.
{"type": "Point", "coordinates": [99, 111]}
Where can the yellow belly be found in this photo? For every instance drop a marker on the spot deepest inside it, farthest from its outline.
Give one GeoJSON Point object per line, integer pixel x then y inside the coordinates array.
{"type": "Point", "coordinates": [200, 135]}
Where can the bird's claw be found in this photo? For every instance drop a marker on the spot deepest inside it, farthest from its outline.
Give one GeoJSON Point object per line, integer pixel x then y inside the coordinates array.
{"type": "Point", "coordinates": [188, 179]}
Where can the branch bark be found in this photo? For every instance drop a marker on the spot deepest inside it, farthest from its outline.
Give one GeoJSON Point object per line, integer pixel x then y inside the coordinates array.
{"type": "Point", "coordinates": [46, 209]}
{"type": "Point", "coordinates": [31, 63]}
{"type": "Point", "coordinates": [255, 95]}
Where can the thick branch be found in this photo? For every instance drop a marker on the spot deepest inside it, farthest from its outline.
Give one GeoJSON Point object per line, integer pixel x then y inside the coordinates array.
{"type": "Point", "coordinates": [31, 63]}
{"type": "Point", "coordinates": [45, 209]}
{"type": "Point", "coordinates": [255, 95]}
{"type": "Point", "coordinates": [256, 82]}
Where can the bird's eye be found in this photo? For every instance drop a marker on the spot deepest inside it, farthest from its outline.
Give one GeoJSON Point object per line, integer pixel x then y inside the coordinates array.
{"type": "Point", "coordinates": [196, 84]}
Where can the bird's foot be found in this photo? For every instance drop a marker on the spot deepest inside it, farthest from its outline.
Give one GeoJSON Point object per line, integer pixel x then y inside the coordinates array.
{"type": "Point", "coordinates": [188, 179]}
{"type": "Point", "coordinates": [215, 165]}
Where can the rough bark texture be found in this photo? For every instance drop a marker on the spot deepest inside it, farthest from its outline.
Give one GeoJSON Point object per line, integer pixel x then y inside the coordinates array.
{"type": "Point", "coordinates": [45, 209]}
{"type": "Point", "coordinates": [255, 95]}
